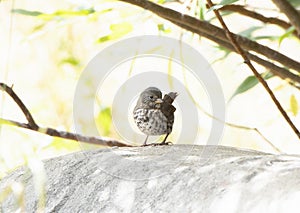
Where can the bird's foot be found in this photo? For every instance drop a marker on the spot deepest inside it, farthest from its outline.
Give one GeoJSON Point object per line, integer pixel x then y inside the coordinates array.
{"type": "Point", "coordinates": [158, 144]}
{"type": "Point", "coordinates": [165, 143]}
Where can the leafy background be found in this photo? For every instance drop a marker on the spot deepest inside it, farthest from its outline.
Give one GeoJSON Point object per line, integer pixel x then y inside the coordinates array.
{"type": "Point", "coordinates": [47, 44]}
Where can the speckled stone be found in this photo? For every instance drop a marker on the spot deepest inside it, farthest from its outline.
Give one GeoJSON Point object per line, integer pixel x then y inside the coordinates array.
{"type": "Point", "coordinates": [178, 178]}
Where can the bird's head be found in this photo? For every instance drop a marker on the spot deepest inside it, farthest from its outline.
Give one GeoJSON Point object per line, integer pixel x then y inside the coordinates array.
{"type": "Point", "coordinates": [150, 98]}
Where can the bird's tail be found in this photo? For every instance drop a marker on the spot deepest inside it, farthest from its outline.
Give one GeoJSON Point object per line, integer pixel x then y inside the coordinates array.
{"type": "Point", "coordinates": [170, 97]}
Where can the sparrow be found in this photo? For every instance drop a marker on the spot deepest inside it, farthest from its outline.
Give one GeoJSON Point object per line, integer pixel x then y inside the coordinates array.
{"type": "Point", "coordinates": [153, 114]}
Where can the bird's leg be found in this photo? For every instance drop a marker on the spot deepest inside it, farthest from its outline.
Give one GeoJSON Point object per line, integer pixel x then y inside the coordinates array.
{"type": "Point", "coordinates": [145, 142]}
{"type": "Point", "coordinates": [158, 144]}
{"type": "Point", "coordinates": [164, 141]}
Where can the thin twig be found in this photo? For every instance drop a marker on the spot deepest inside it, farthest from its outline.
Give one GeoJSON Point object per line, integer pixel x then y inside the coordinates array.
{"type": "Point", "coordinates": [237, 126]}
{"type": "Point", "coordinates": [50, 131]}
{"type": "Point", "coordinates": [255, 72]}
{"type": "Point", "coordinates": [292, 14]}
{"type": "Point", "coordinates": [243, 11]}
{"type": "Point", "coordinates": [255, 130]}
{"type": "Point", "coordinates": [232, 125]}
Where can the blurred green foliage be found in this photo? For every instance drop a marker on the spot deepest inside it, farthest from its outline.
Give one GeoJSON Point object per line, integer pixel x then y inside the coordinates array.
{"type": "Point", "coordinates": [117, 31]}
{"type": "Point", "coordinates": [104, 121]}
{"type": "Point", "coordinates": [102, 22]}
{"type": "Point", "coordinates": [249, 83]}
{"type": "Point", "coordinates": [294, 105]}
{"type": "Point", "coordinates": [71, 51]}
{"type": "Point", "coordinates": [106, 21]}
{"type": "Point", "coordinates": [57, 14]}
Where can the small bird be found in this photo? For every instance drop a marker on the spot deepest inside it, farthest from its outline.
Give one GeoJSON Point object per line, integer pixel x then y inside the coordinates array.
{"type": "Point", "coordinates": [154, 115]}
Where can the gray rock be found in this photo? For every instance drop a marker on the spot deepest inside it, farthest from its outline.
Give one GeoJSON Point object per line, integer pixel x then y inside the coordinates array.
{"type": "Point", "coordinates": [178, 178]}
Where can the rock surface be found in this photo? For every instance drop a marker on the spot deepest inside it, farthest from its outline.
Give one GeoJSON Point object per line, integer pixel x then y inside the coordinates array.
{"type": "Point", "coordinates": [178, 178]}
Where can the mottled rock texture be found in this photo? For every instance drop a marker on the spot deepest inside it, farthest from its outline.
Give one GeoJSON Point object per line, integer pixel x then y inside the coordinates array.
{"type": "Point", "coordinates": [178, 178]}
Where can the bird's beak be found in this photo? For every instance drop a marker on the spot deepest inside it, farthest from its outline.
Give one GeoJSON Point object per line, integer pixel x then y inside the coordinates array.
{"type": "Point", "coordinates": [158, 101]}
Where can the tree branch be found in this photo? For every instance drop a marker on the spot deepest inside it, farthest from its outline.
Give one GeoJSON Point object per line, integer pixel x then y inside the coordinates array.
{"type": "Point", "coordinates": [242, 10]}
{"type": "Point", "coordinates": [276, 70]}
{"type": "Point", "coordinates": [31, 125]}
{"type": "Point", "coordinates": [13, 95]}
{"type": "Point", "coordinates": [239, 49]}
{"type": "Point", "coordinates": [292, 14]}
{"type": "Point", "coordinates": [96, 140]}
{"type": "Point", "coordinates": [204, 28]}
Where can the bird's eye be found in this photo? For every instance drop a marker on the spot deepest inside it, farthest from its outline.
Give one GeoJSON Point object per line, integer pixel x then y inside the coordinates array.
{"type": "Point", "coordinates": [151, 97]}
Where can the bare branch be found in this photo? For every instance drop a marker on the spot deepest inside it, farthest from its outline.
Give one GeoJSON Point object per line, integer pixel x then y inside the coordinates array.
{"type": "Point", "coordinates": [239, 49]}
{"type": "Point", "coordinates": [50, 131]}
{"type": "Point", "coordinates": [98, 140]}
{"type": "Point", "coordinates": [276, 70]}
{"type": "Point", "coordinates": [292, 14]}
{"type": "Point", "coordinates": [67, 135]}
{"type": "Point", "coordinates": [18, 101]}
{"type": "Point", "coordinates": [243, 11]}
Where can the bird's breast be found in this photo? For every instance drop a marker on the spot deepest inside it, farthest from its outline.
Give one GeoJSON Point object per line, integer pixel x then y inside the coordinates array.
{"type": "Point", "coordinates": [152, 121]}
